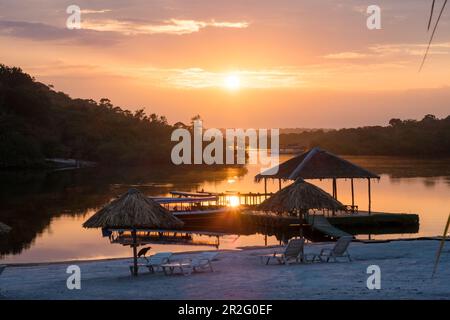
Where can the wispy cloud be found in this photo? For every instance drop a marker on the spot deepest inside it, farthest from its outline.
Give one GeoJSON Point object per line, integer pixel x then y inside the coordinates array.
{"type": "Point", "coordinates": [409, 49]}
{"type": "Point", "coordinates": [400, 50]}
{"type": "Point", "coordinates": [172, 26]}
{"type": "Point", "coordinates": [44, 32]}
{"type": "Point", "coordinates": [92, 11]}
{"type": "Point", "coordinates": [346, 55]}
{"type": "Point", "coordinates": [250, 79]}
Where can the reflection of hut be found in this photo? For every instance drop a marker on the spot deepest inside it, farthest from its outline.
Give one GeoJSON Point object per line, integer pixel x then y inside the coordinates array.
{"type": "Point", "coordinates": [319, 164]}
{"type": "Point", "coordinates": [191, 238]}
{"type": "Point", "coordinates": [133, 211]}
{"type": "Point", "coordinates": [4, 228]}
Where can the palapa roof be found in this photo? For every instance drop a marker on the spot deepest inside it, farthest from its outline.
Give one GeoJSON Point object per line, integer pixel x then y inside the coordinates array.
{"type": "Point", "coordinates": [133, 210]}
{"type": "Point", "coordinates": [4, 228]}
{"type": "Point", "coordinates": [299, 195]}
{"type": "Point", "coordinates": [316, 164]}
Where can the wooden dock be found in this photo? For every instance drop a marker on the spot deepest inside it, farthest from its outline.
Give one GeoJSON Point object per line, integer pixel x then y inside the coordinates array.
{"type": "Point", "coordinates": [325, 227]}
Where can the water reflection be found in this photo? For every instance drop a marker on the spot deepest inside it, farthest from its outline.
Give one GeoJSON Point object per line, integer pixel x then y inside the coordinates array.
{"type": "Point", "coordinates": [430, 169]}
{"type": "Point", "coordinates": [31, 200]}
{"type": "Point", "coordinates": [46, 209]}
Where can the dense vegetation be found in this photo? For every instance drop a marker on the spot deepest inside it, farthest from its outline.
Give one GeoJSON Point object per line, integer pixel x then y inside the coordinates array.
{"type": "Point", "coordinates": [427, 137]}
{"type": "Point", "coordinates": [37, 123]}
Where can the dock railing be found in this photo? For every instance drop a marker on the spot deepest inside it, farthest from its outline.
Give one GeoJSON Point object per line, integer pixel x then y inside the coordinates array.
{"type": "Point", "coordinates": [246, 199]}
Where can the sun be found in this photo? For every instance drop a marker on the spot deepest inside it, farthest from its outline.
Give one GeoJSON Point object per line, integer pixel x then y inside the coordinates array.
{"type": "Point", "coordinates": [234, 201]}
{"type": "Point", "coordinates": [232, 82]}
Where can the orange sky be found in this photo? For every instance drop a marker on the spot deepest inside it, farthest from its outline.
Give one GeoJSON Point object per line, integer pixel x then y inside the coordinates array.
{"type": "Point", "coordinates": [253, 63]}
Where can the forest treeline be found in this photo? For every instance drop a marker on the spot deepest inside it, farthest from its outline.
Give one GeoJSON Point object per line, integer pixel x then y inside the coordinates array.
{"type": "Point", "coordinates": [37, 123]}
{"type": "Point", "coordinates": [429, 137]}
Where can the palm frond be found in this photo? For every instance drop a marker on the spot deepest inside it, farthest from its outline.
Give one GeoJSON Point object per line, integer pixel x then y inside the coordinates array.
{"type": "Point", "coordinates": [432, 35]}
{"type": "Point", "coordinates": [431, 14]}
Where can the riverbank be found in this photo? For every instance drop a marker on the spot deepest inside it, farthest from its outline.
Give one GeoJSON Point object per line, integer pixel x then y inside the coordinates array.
{"type": "Point", "coordinates": [406, 268]}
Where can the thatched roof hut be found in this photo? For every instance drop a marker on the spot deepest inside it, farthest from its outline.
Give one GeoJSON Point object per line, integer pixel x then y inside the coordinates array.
{"type": "Point", "coordinates": [317, 164]}
{"type": "Point", "coordinates": [301, 196]}
{"type": "Point", "coordinates": [4, 228]}
{"type": "Point", "coordinates": [133, 210]}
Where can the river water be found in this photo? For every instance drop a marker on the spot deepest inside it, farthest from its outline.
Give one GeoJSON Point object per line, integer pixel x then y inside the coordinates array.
{"type": "Point", "coordinates": [46, 209]}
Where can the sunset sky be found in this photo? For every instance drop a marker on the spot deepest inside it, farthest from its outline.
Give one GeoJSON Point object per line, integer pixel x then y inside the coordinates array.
{"type": "Point", "coordinates": [253, 63]}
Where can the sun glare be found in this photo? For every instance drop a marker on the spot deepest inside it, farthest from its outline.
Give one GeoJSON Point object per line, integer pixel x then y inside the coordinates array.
{"type": "Point", "coordinates": [232, 82]}
{"type": "Point", "coordinates": [234, 201]}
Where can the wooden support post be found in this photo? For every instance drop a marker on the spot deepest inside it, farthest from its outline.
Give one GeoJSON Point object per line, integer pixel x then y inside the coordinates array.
{"type": "Point", "coordinates": [135, 264]}
{"type": "Point", "coordinates": [334, 188]}
{"type": "Point", "coordinates": [370, 196]}
{"type": "Point", "coordinates": [353, 196]}
{"type": "Point", "coordinates": [279, 184]}
{"type": "Point", "coordinates": [300, 215]}
{"type": "Point", "coordinates": [265, 186]}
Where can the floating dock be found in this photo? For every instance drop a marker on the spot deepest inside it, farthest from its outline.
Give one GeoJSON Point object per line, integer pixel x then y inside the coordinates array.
{"type": "Point", "coordinates": [322, 227]}
{"type": "Point", "coordinates": [237, 212]}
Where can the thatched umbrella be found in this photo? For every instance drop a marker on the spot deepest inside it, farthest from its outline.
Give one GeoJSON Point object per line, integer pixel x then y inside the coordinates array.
{"type": "Point", "coordinates": [4, 228]}
{"type": "Point", "coordinates": [133, 210]}
{"type": "Point", "coordinates": [298, 198]}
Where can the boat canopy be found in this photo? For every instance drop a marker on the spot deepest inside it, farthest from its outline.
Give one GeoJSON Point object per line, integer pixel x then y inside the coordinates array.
{"type": "Point", "coordinates": [191, 194]}
{"type": "Point", "coordinates": [165, 200]}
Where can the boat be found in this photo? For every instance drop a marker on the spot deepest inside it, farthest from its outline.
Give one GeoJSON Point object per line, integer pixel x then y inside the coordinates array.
{"type": "Point", "coordinates": [194, 206]}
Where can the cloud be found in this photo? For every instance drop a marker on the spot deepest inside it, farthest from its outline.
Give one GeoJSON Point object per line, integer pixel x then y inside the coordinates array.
{"type": "Point", "coordinates": [345, 55]}
{"type": "Point", "coordinates": [400, 50]}
{"type": "Point", "coordinates": [196, 78]}
{"type": "Point", "coordinates": [99, 32]}
{"type": "Point", "coordinates": [409, 49]}
{"type": "Point", "coordinates": [44, 32]}
{"type": "Point", "coordinates": [199, 78]}
{"type": "Point", "coordinates": [171, 26]}
{"type": "Point", "coordinates": [91, 11]}
{"type": "Point", "coordinates": [39, 31]}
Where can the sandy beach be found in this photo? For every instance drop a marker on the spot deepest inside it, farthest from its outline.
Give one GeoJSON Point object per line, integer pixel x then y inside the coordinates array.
{"type": "Point", "coordinates": [406, 268]}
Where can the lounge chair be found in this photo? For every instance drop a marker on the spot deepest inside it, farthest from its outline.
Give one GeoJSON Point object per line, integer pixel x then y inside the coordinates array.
{"type": "Point", "coordinates": [187, 266]}
{"type": "Point", "coordinates": [340, 250]}
{"type": "Point", "coordinates": [204, 261]}
{"type": "Point", "coordinates": [157, 260]}
{"type": "Point", "coordinates": [292, 253]}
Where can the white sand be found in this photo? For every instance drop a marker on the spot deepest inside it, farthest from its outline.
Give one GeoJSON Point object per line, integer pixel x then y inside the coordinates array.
{"type": "Point", "coordinates": [406, 268]}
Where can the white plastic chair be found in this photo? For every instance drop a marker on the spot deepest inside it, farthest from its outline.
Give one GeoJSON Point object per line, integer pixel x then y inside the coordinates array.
{"type": "Point", "coordinates": [340, 250]}
{"type": "Point", "coordinates": [292, 253]}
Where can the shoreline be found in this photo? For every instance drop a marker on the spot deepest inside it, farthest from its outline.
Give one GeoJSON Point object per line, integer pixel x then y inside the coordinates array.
{"type": "Point", "coordinates": [73, 261]}
{"type": "Point", "coordinates": [406, 269]}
